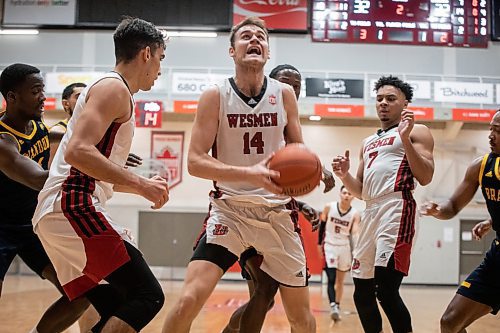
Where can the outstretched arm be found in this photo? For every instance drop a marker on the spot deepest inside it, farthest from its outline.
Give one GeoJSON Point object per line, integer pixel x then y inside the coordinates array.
{"type": "Point", "coordinates": [459, 199]}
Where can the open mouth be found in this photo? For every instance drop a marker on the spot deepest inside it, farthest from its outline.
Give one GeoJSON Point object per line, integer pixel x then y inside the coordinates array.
{"type": "Point", "coordinates": [254, 50]}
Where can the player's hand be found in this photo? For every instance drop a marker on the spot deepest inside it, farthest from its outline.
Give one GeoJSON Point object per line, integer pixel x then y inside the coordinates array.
{"type": "Point", "coordinates": [407, 122]}
{"type": "Point", "coordinates": [481, 229]}
{"type": "Point", "coordinates": [261, 176]}
{"type": "Point", "coordinates": [341, 165]}
{"type": "Point", "coordinates": [311, 215]}
{"type": "Point", "coordinates": [430, 209]}
{"type": "Point", "coordinates": [155, 189]}
{"type": "Point", "coordinates": [328, 180]}
{"type": "Point", "coordinates": [133, 160]}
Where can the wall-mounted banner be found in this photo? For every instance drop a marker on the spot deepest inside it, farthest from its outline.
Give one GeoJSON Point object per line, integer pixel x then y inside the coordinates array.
{"type": "Point", "coordinates": [185, 106]}
{"type": "Point", "coordinates": [335, 88]}
{"type": "Point", "coordinates": [167, 150]}
{"type": "Point", "coordinates": [50, 104]}
{"type": "Point", "coordinates": [479, 115]}
{"type": "Point", "coordinates": [39, 12]}
{"type": "Point", "coordinates": [55, 82]}
{"type": "Point", "coordinates": [194, 83]}
{"type": "Point", "coordinates": [421, 88]}
{"type": "Point", "coordinates": [148, 113]}
{"type": "Point", "coordinates": [278, 14]}
{"type": "Point", "coordinates": [422, 113]}
{"type": "Point", "coordinates": [339, 111]}
{"type": "Point", "coordinates": [463, 92]}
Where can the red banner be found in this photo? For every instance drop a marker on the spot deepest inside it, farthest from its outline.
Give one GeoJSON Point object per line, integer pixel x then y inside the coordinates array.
{"type": "Point", "coordinates": [422, 113]}
{"type": "Point", "coordinates": [339, 110]}
{"type": "Point", "coordinates": [49, 104]}
{"type": "Point", "coordinates": [479, 115]}
{"type": "Point", "coordinates": [148, 113]}
{"type": "Point", "coordinates": [278, 14]}
{"type": "Point", "coordinates": [185, 106]}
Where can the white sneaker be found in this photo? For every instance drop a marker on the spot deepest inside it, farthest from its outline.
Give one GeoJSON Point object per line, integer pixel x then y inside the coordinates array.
{"type": "Point", "coordinates": [335, 312]}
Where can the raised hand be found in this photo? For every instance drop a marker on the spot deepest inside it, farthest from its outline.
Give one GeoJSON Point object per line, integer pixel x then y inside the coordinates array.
{"type": "Point", "coordinates": [328, 180]}
{"type": "Point", "coordinates": [481, 229]}
{"type": "Point", "coordinates": [407, 122]}
{"type": "Point", "coordinates": [341, 165]}
{"type": "Point", "coordinates": [430, 209]}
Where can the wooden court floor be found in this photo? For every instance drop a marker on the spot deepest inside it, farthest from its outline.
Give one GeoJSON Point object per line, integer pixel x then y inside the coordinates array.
{"type": "Point", "coordinates": [24, 299]}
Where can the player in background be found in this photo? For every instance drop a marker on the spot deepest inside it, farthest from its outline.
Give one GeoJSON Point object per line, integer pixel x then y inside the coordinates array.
{"type": "Point", "coordinates": [24, 156]}
{"type": "Point", "coordinates": [262, 288]}
{"type": "Point", "coordinates": [479, 294]}
{"type": "Point", "coordinates": [390, 161]}
{"type": "Point", "coordinates": [339, 227]}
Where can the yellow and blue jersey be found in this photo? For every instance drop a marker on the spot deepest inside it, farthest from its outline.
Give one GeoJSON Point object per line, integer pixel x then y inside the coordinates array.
{"type": "Point", "coordinates": [489, 180]}
{"type": "Point", "coordinates": [63, 123]}
{"type": "Point", "coordinates": [18, 201]}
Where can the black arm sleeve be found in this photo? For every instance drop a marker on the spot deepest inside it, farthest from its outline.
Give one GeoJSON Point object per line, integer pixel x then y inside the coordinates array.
{"type": "Point", "coordinates": [321, 232]}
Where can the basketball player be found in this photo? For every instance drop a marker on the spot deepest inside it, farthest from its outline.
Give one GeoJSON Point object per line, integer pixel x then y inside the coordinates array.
{"type": "Point", "coordinates": [389, 162]}
{"type": "Point", "coordinates": [339, 221]}
{"type": "Point", "coordinates": [261, 286]}
{"type": "Point", "coordinates": [70, 95]}
{"type": "Point", "coordinates": [82, 241]}
{"type": "Point", "coordinates": [244, 121]}
{"type": "Point", "coordinates": [479, 294]}
{"type": "Point", "coordinates": [24, 154]}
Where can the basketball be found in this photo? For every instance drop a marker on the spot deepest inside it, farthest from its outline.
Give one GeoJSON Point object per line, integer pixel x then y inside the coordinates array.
{"type": "Point", "coordinates": [299, 168]}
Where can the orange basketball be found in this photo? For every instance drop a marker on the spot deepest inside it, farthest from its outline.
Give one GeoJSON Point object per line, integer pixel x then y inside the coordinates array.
{"type": "Point", "coordinates": [300, 169]}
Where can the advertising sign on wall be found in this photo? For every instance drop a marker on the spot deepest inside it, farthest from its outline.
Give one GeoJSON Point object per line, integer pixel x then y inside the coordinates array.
{"type": "Point", "coordinates": [334, 88]}
{"type": "Point", "coordinates": [463, 92]}
{"type": "Point", "coordinates": [148, 113]}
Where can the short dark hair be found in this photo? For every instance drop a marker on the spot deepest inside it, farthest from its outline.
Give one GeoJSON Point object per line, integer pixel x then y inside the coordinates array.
{"type": "Point", "coordinates": [69, 89]}
{"type": "Point", "coordinates": [274, 73]}
{"type": "Point", "coordinates": [342, 187]}
{"type": "Point", "coordinates": [14, 75]}
{"type": "Point", "coordinates": [254, 20]}
{"type": "Point", "coordinates": [394, 81]}
{"type": "Point", "coordinates": [134, 34]}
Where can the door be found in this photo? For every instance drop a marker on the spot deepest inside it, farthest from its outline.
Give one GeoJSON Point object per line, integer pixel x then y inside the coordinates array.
{"type": "Point", "coordinates": [472, 251]}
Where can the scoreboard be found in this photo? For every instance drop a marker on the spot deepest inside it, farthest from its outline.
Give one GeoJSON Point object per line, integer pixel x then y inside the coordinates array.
{"type": "Point", "coordinates": [418, 22]}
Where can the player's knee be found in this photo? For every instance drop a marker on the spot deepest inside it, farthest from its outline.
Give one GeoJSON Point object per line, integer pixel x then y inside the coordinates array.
{"type": "Point", "coordinates": [186, 306]}
{"type": "Point", "coordinates": [266, 289]}
{"type": "Point", "coordinates": [303, 323]}
{"type": "Point", "coordinates": [386, 295]}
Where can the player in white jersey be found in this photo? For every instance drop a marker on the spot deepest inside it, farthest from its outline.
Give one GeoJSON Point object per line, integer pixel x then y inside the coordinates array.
{"type": "Point", "coordinates": [82, 241]}
{"type": "Point", "coordinates": [339, 222]}
{"type": "Point", "coordinates": [244, 121]}
{"type": "Point", "coordinates": [390, 160]}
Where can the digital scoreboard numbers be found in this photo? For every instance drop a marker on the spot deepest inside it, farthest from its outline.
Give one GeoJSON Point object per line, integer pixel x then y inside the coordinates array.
{"type": "Point", "coordinates": [417, 22]}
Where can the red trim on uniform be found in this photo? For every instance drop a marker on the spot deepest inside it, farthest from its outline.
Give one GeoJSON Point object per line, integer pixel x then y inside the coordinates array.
{"type": "Point", "coordinates": [404, 178]}
{"type": "Point", "coordinates": [104, 248]}
{"type": "Point", "coordinates": [402, 250]}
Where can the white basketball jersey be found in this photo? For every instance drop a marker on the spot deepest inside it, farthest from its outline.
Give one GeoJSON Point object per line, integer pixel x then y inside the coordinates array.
{"type": "Point", "coordinates": [338, 225]}
{"type": "Point", "coordinates": [115, 145]}
{"type": "Point", "coordinates": [386, 167]}
{"type": "Point", "coordinates": [246, 135]}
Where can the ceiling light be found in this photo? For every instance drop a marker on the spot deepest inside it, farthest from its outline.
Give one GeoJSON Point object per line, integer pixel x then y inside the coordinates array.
{"type": "Point", "coordinates": [18, 32]}
{"type": "Point", "coordinates": [315, 118]}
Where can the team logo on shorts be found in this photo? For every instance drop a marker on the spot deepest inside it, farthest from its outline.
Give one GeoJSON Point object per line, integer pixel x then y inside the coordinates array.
{"type": "Point", "coordinates": [355, 264]}
{"type": "Point", "coordinates": [272, 99]}
{"type": "Point", "coordinates": [220, 230]}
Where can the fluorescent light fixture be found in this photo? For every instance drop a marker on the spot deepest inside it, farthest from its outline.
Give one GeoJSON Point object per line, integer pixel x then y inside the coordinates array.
{"type": "Point", "coordinates": [199, 34]}
{"type": "Point", "coordinates": [19, 32]}
{"type": "Point", "coordinates": [315, 118]}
